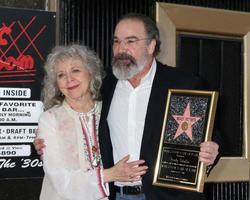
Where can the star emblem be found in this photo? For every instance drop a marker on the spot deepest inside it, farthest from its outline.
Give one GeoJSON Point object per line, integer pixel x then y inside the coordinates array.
{"type": "Point", "coordinates": [185, 122]}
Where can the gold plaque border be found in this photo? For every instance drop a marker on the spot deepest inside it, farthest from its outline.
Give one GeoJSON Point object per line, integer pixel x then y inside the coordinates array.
{"type": "Point", "coordinates": [172, 18]}
{"type": "Point", "coordinates": [201, 170]}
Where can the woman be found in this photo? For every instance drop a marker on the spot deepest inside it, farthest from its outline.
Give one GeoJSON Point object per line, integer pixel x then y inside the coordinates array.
{"type": "Point", "coordinates": [72, 161]}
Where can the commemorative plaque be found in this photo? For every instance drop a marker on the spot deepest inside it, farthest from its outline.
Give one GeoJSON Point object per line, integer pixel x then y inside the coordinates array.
{"type": "Point", "coordinates": [188, 121]}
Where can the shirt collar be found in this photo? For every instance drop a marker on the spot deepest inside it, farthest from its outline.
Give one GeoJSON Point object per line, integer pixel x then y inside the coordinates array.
{"type": "Point", "coordinates": [149, 77]}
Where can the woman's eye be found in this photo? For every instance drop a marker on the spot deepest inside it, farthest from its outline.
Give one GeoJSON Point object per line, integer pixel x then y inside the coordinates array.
{"type": "Point", "coordinates": [60, 75]}
{"type": "Point", "coordinates": [76, 70]}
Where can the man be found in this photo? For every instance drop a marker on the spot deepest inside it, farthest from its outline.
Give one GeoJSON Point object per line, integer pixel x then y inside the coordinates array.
{"type": "Point", "coordinates": [134, 100]}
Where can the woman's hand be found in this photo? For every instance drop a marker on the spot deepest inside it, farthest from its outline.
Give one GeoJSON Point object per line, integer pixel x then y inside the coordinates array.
{"type": "Point", "coordinates": [125, 171]}
{"type": "Point", "coordinates": [39, 146]}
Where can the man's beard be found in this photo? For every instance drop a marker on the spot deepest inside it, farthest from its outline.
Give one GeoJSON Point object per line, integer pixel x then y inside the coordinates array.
{"type": "Point", "coordinates": [124, 66]}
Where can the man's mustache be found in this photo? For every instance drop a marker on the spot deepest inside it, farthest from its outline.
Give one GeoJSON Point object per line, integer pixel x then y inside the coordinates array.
{"type": "Point", "coordinates": [124, 56]}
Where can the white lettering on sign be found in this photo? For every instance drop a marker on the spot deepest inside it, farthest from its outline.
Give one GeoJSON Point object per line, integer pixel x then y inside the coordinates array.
{"type": "Point", "coordinates": [15, 93]}
{"type": "Point", "coordinates": [20, 111]}
{"type": "Point", "coordinates": [4, 163]}
{"type": "Point", "coordinates": [15, 150]}
{"type": "Point", "coordinates": [31, 163]}
{"type": "Point", "coordinates": [25, 163]}
{"type": "Point", "coordinates": [17, 134]}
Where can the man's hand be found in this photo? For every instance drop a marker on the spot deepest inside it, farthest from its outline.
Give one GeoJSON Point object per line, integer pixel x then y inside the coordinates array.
{"type": "Point", "coordinates": [208, 152]}
{"type": "Point", "coordinates": [39, 146]}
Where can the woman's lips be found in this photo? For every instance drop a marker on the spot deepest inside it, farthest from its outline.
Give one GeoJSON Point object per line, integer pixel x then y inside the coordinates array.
{"type": "Point", "coordinates": [72, 87]}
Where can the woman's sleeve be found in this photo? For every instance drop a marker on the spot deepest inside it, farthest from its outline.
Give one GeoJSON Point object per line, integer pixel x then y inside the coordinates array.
{"type": "Point", "coordinates": [68, 183]}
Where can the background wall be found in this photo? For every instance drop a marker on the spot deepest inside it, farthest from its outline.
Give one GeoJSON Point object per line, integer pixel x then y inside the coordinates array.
{"type": "Point", "coordinates": [34, 4]}
{"type": "Point", "coordinates": [85, 21]}
{"type": "Point", "coordinates": [79, 24]}
{"type": "Point", "coordinates": [92, 22]}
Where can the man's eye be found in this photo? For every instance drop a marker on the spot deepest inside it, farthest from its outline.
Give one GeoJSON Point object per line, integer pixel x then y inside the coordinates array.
{"type": "Point", "coordinates": [130, 41]}
{"type": "Point", "coordinates": [115, 41]}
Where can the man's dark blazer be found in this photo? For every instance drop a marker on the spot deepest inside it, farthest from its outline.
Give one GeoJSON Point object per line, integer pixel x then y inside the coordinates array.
{"type": "Point", "coordinates": [165, 78]}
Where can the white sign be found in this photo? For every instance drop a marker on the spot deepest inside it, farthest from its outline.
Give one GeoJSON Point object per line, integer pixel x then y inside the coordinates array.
{"type": "Point", "coordinates": [15, 150]}
{"type": "Point", "coordinates": [15, 93]}
{"type": "Point", "coordinates": [17, 134]}
{"type": "Point", "coordinates": [20, 111]}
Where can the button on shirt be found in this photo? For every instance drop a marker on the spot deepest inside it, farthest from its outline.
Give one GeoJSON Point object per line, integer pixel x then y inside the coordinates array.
{"type": "Point", "coordinates": [126, 118]}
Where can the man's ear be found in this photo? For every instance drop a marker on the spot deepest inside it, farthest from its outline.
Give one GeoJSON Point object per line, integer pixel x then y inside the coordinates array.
{"type": "Point", "coordinates": [151, 47]}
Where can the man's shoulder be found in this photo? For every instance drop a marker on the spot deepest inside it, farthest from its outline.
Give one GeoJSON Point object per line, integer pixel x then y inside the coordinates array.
{"type": "Point", "coordinates": [173, 71]}
{"type": "Point", "coordinates": [177, 77]}
{"type": "Point", "coordinates": [109, 77]}
{"type": "Point", "coordinates": [108, 81]}
{"type": "Point", "coordinates": [167, 68]}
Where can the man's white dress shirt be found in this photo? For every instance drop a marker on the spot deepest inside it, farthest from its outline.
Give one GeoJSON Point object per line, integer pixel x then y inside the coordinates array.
{"type": "Point", "coordinates": [126, 118]}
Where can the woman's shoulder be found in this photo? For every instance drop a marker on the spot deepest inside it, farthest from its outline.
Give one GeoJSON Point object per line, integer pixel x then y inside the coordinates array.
{"type": "Point", "coordinates": [52, 111]}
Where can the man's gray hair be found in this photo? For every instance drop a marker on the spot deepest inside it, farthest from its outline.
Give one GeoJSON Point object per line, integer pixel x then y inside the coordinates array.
{"type": "Point", "coordinates": [150, 27]}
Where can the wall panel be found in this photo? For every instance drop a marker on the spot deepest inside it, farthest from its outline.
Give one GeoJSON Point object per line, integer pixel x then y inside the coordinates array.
{"type": "Point", "coordinates": [92, 23]}
{"type": "Point", "coordinates": [98, 19]}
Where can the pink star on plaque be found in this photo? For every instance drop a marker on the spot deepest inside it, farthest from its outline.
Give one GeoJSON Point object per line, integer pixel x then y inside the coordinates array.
{"type": "Point", "coordinates": [185, 122]}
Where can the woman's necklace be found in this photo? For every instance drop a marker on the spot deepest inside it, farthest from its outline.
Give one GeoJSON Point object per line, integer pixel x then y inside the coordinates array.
{"type": "Point", "coordinates": [90, 137]}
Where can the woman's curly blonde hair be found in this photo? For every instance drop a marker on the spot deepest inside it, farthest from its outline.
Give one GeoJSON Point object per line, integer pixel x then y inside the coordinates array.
{"type": "Point", "coordinates": [51, 94]}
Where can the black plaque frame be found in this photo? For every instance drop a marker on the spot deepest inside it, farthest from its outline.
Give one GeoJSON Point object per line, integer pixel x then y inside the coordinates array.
{"type": "Point", "coordinates": [188, 121]}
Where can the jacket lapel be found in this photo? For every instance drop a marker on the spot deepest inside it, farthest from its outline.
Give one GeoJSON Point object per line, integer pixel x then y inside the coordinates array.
{"type": "Point", "coordinates": [155, 111]}
{"type": "Point", "coordinates": [107, 95]}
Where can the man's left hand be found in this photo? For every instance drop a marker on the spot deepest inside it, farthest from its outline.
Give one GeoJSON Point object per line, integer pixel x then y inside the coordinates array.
{"type": "Point", "coordinates": [208, 152]}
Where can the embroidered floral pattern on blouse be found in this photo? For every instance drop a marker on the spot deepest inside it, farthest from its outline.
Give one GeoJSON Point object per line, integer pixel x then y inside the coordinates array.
{"type": "Point", "coordinates": [89, 122]}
